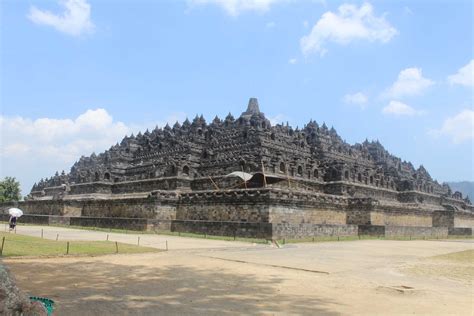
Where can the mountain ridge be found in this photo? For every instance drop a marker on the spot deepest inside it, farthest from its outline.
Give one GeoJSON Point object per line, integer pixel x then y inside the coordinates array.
{"type": "Point", "coordinates": [465, 187]}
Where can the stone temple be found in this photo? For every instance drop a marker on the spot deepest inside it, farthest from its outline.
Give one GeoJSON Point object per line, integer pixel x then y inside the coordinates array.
{"type": "Point", "coordinates": [242, 176]}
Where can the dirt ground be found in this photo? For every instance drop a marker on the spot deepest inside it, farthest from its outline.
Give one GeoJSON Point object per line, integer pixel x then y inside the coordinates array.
{"type": "Point", "coordinates": [367, 277]}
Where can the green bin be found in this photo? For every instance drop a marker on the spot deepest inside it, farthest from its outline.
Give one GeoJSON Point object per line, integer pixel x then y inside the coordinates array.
{"type": "Point", "coordinates": [47, 303]}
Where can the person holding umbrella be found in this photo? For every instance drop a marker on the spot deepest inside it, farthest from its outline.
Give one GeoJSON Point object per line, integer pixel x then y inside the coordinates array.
{"type": "Point", "coordinates": [14, 214]}
{"type": "Point", "coordinates": [12, 222]}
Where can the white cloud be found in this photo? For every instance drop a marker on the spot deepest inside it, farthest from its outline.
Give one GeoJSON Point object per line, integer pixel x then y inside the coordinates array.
{"type": "Point", "coordinates": [270, 25]}
{"type": "Point", "coordinates": [293, 61]}
{"type": "Point", "coordinates": [408, 11]}
{"type": "Point", "coordinates": [16, 149]}
{"type": "Point", "coordinates": [277, 119]}
{"type": "Point", "coordinates": [464, 76]}
{"type": "Point", "coordinates": [398, 108]}
{"type": "Point", "coordinates": [75, 20]}
{"type": "Point", "coordinates": [359, 99]}
{"type": "Point", "coordinates": [170, 120]}
{"type": "Point", "coordinates": [35, 148]}
{"type": "Point", "coordinates": [350, 23]}
{"type": "Point", "coordinates": [459, 128]}
{"type": "Point", "coordinates": [410, 82]}
{"type": "Point", "coordinates": [64, 139]}
{"type": "Point", "coordinates": [236, 7]}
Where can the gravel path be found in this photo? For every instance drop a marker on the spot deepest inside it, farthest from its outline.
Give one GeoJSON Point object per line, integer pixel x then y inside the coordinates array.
{"type": "Point", "coordinates": [208, 277]}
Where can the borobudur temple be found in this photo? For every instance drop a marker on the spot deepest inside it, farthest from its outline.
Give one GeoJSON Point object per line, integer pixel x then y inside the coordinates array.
{"type": "Point", "coordinates": [244, 177]}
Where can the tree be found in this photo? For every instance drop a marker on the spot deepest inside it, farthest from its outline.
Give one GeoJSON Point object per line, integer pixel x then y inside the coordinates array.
{"type": "Point", "coordinates": [9, 190]}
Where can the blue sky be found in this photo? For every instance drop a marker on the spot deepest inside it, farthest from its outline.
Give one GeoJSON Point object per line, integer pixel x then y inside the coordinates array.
{"type": "Point", "coordinates": [77, 75]}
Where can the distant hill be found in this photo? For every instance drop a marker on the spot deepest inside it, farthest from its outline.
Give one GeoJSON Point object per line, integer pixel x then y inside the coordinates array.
{"type": "Point", "coordinates": [465, 187]}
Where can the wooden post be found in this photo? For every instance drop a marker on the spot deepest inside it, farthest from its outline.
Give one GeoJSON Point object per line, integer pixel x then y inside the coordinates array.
{"type": "Point", "coordinates": [41, 232]}
{"type": "Point", "coordinates": [264, 177]}
{"type": "Point", "coordinates": [313, 238]}
{"type": "Point", "coordinates": [3, 243]}
{"type": "Point", "coordinates": [337, 238]}
{"type": "Point", "coordinates": [138, 242]}
{"type": "Point", "coordinates": [235, 235]}
{"type": "Point", "coordinates": [116, 247]}
{"type": "Point", "coordinates": [243, 175]}
{"type": "Point", "coordinates": [107, 237]}
{"type": "Point", "coordinates": [217, 188]}
{"type": "Point", "coordinates": [57, 237]}
{"type": "Point", "coordinates": [166, 245]}
{"type": "Point", "coordinates": [67, 248]}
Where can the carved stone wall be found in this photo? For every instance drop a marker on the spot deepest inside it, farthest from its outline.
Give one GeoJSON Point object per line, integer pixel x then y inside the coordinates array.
{"type": "Point", "coordinates": [463, 220]}
{"type": "Point", "coordinates": [307, 230]}
{"type": "Point", "coordinates": [292, 215]}
{"type": "Point", "coordinates": [402, 218]}
{"type": "Point", "coordinates": [416, 231]}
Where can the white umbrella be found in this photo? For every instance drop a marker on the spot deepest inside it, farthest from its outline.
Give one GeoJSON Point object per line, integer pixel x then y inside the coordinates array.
{"type": "Point", "coordinates": [15, 212]}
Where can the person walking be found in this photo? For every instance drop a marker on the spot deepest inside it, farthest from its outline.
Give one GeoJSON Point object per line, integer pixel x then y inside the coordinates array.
{"type": "Point", "coordinates": [12, 222]}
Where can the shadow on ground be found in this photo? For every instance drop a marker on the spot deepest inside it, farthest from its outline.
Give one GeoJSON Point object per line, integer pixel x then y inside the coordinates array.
{"type": "Point", "coordinates": [101, 288]}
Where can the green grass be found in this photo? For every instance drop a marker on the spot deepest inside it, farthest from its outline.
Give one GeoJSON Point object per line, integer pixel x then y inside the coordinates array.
{"type": "Point", "coordinates": [455, 265]}
{"type": "Point", "coordinates": [212, 237]}
{"type": "Point", "coordinates": [364, 237]}
{"type": "Point", "coordinates": [170, 233]}
{"type": "Point", "coordinates": [466, 256]}
{"type": "Point", "coordinates": [156, 232]}
{"type": "Point", "coordinates": [20, 245]}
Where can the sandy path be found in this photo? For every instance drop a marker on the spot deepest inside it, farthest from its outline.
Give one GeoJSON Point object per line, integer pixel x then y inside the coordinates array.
{"type": "Point", "coordinates": [365, 278]}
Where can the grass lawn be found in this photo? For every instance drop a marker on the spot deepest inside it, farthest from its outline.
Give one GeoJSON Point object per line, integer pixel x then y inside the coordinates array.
{"type": "Point", "coordinates": [19, 245]}
{"type": "Point", "coordinates": [466, 256]}
{"type": "Point", "coordinates": [153, 232]}
{"type": "Point", "coordinates": [365, 237]}
{"type": "Point", "coordinates": [455, 265]}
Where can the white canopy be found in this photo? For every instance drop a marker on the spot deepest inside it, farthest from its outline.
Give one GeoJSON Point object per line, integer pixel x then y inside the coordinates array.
{"type": "Point", "coordinates": [242, 175]}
